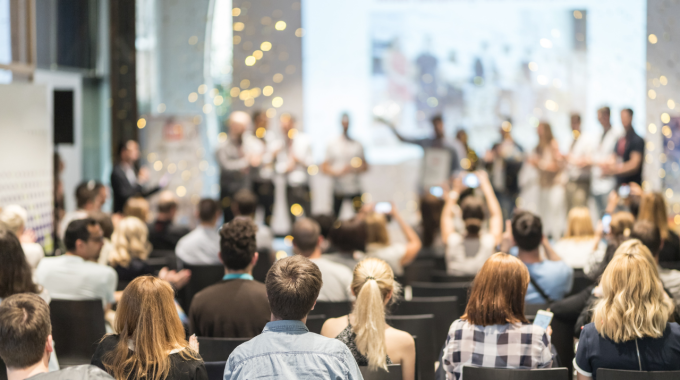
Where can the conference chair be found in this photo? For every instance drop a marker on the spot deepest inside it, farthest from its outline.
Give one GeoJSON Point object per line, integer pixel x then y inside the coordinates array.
{"type": "Point", "coordinates": [218, 349]}
{"type": "Point", "coordinates": [444, 309]}
{"type": "Point", "coordinates": [332, 309]}
{"type": "Point", "coordinates": [435, 289]}
{"type": "Point", "coordinates": [157, 255]}
{"type": "Point", "coordinates": [202, 276]}
{"type": "Point", "coordinates": [315, 322]}
{"type": "Point", "coordinates": [617, 374]}
{"type": "Point", "coordinates": [393, 374]}
{"type": "Point", "coordinates": [215, 370]}
{"type": "Point", "coordinates": [77, 328]}
{"type": "Point", "coordinates": [481, 373]}
{"type": "Point", "coordinates": [562, 339]}
{"type": "Point", "coordinates": [264, 262]}
{"type": "Point", "coordinates": [420, 326]}
{"type": "Point", "coordinates": [442, 276]}
{"type": "Point", "coordinates": [419, 270]}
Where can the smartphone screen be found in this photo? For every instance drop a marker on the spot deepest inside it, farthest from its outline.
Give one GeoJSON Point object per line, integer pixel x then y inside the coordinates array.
{"type": "Point", "coordinates": [624, 191]}
{"type": "Point", "coordinates": [383, 207]}
{"type": "Point", "coordinates": [437, 191]}
{"type": "Point", "coordinates": [606, 221]}
{"type": "Point", "coordinates": [471, 181]}
{"type": "Point", "coordinates": [543, 318]}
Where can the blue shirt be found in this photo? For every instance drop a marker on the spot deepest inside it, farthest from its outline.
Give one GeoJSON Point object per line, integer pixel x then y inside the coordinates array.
{"type": "Point", "coordinates": [554, 277]}
{"type": "Point", "coordinates": [287, 350]}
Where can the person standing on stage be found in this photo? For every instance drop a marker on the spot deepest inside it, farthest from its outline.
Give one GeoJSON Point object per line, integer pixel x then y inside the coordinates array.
{"type": "Point", "coordinates": [293, 161]}
{"type": "Point", "coordinates": [628, 154]}
{"type": "Point", "coordinates": [262, 176]}
{"type": "Point", "coordinates": [126, 181]}
{"type": "Point", "coordinates": [344, 162]}
{"type": "Point", "coordinates": [504, 162]}
{"type": "Point", "coordinates": [602, 184]}
{"type": "Point", "coordinates": [463, 149]}
{"type": "Point", "coordinates": [578, 167]}
{"type": "Point", "coordinates": [236, 157]}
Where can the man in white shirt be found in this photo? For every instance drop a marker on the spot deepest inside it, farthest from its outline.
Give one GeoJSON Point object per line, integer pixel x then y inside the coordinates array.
{"type": "Point", "coordinates": [293, 161]}
{"type": "Point", "coordinates": [337, 278]}
{"type": "Point", "coordinates": [76, 274]}
{"type": "Point", "coordinates": [202, 245]}
{"type": "Point", "coordinates": [604, 145]}
{"type": "Point", "coordinates": [578, 169]}
{"type": "Point", "coordinates": [344, 162]}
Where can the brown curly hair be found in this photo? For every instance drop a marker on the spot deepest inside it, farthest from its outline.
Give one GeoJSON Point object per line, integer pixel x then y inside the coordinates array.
{"type": "Point", "coordinates": [237, 243]}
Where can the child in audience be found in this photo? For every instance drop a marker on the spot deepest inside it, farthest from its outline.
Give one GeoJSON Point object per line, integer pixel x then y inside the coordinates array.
{"type": "Point", "coordinates": [630, 329]}
{"type": "Point", "coordinates": [494, 323]}
{"type": "Point", "coordinates": [579, 241]}
{"type": "Point", "coordinates": [378, 243]}
{"type": "Point", "coordinates": [150, 340]}
{"type": "Point", "coordinates": [372, 342]}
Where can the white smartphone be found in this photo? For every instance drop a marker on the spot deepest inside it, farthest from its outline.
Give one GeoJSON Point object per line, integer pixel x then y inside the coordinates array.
{"type": "Point", "coordinates": [471, 181]}
{"type": "Point", "coordinates": [543, 318]}
{"type": "Point", "coordinates": [383, 207]}
{"type": "Point", "coordinates": [437, 191]}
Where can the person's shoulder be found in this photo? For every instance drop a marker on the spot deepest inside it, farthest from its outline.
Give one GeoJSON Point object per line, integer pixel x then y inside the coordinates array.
{"type": "Point", "coordinates": [108, 342]}
{"type": "Point", "coordinates": [400, 338]}
{"type": "Point", "coordinates": [674, 328]}
{"type": "Point", "coordinates": [97, 269]}
{"type": "Point", "coordinates": [80, 372]}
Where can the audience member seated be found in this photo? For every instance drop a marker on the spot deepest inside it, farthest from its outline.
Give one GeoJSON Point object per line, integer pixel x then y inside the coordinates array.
{"type": "Point", "coordinates": [653, 209]}
{"type": "Point", "coordinates": [137, 207]}
{"type": "Point", "coordinates": [378, 244]}
{"type": "Point", "coordinates": [619, 231]}
{"type": "Point", "coordinates": [630, 329]}
{"type": "Point", "coordinates": [149, 341]}
{"type": "Point", "coordinates": [245, 204]}
{"type": "Point", "coordinates": [76, 274]}
{"type": "Point", "coordinates": [326, 222]}
{"type": "Point", "coordinates": [650, 236]}
{"type": "Point", "coordinates": [202, 245]}
{"type": "Point", "coordinates": [26, 345]}
{"type": "Point", "coordinates": [105, 222]}
{"type": "Point", "coordinates": [370, 339]}
{"type": "Point", "coordinates": [236, 307]}
{"type": "Point", "coordinates": [430, 232]}
{"type": "Point", "coordinates": [87, 200]}
{"type": "Point", "coordinates": [579, 241]}
{"type": "Point", "coordinates": [15, 273]}
{"type": "Point", "coordinates": [14, 218]}
{"type": "Point", "coordinates": [307, 241]}
{"type": "Point", "coordinates": [286, 349]}
{"type": "Point", "coordinates": [494, 332]}
{"type": "Point", "coordinates": [551, 279]}
{"type": "Point", "coordinates": [466, 253]}
{"type": "Point", "coordinates": [163, 233]}
{"type": "Point", "coordinates": [348, 241]}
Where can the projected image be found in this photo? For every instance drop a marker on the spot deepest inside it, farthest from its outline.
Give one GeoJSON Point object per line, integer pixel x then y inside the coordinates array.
{"type": "Point", "coordinates": [523, 66]}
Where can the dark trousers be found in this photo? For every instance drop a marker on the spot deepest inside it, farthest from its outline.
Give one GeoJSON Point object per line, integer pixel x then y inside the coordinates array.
{"type": "Point", "coordinates": [226, 197]}
{"type": "Point", "coordinates": [298, 196]}
{"type": "Point", "coordinates": [339, 198]}
{"type": "Point", "coordinates": [265, 197]}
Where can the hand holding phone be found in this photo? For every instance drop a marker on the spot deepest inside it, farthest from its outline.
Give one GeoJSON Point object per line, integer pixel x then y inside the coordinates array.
{"type": "Point", "coordinates": [543, 319]}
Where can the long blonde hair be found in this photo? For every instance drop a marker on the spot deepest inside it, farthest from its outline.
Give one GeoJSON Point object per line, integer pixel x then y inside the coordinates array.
{"type": "Point", "coordinates": [579, 224]}
{"type": "Point", "coordinates": [147, 318]}
{"type": "Point", "coordinates": [129, 241]}
{"type": "Point", "coordinates": [373, 281]}
{"type": "Point", "coordinates": [653, 209]}
{"type": "Point", "coordinates": [634, 303]}
{"type": "Point", "coordinates": [376, 226]}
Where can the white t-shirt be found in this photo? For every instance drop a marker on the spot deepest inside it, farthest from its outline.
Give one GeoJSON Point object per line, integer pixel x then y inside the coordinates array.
{"type": "Point", "coordinates": [199, 247]}
{"type": "Point", "coordinates": [339, 154]}
{"type": "Point", "coordinates": [392, 255]}
{"type": "Point", "coordinates": [603, 149]}
{"type": "Point", "coordinates": [465, 257]}
{"type": "Point", "coordinates": [69, 277]}
{"type": "Point", "coordinates": [337, 279]}
{"type": "Point", "coordinates": [575, 252]}
{"type": "Point", "coordinates": [34, 253]}
{"type": "Point", "coordinates": [301, 149]}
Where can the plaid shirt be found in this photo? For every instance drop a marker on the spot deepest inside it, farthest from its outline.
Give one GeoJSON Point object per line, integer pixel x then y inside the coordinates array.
{"type": "Point", "coordinates": [519, 346]}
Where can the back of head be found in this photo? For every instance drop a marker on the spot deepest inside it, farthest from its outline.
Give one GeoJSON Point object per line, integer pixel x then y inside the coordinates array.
{"type": "Point", "coordinates": [619, 230]}
{"type": "Point", "coordinates": [376, 229]}
{"type": "Point", "coordinates": [497, 294]}
{"type": "Point", "coordinates": [14, 218]}
{"type": "Point", "coordinates": [579, 224]}
{"type": "Point", "coordinates": [473, 214]}
{"type": "Point", "coordinates": [137, 207]}
{"type": "Point", "coordinates": [207, 210]}
{"type": "Point", "coordinates": [325, 222]}
{"type": "Point", "coordinates": [349, 235]}
{"type": "Point", "coordinates": [15, 273]}
{"type": "Point", "coordinates": [293, 285]}
{"type": "Point", "coordinates": [245, 202]}
{"type": "Point", "coordinates": [653, 209]}
{"type": "Point", "coordinates": [130, 240]}
{"type": "Point", "coordinates": [77, 230]}
{"type": "Point", "coordinates": [237, 243]}
{"type": "Point", "coordinates": [634, 303]}
{"type": "Point", "coordinates": [648, 234]}
{"type": "Point", "coordinates": [431, 213]}
{"type": "Point", "coordinates": [86, 192]}
{"type": "Point", "coordinates": [24, 330]}
{"type": "Point", "coordinates": [147, 317]}
{"type": "Point", "coordinates": [527, 230]}
{"type": "Point", "coordinates": [104, 221]}
{"type": "Point", "coordinates": [167, 202]}
{"type": "Point", "coordinates": [372, 283]}
{"type": "Point", "coordinates": [306, 234]}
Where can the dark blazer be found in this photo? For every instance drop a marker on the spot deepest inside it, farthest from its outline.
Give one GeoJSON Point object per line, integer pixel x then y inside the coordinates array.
{"type": "Point", "coordinates": [123, 189]}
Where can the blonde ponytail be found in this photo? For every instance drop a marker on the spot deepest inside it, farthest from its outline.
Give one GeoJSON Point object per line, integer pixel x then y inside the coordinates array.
{"type": "Point", "coordinates": [373, 281]}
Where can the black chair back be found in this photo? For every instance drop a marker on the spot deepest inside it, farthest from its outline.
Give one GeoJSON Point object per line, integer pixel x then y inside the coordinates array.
{"type": "Point", "coordinates": [315, 322]}
{"type": "Point", "coordinates": [420, 326]}
{"type": "Point", "coordinates": [156, 255]}
{"type": "Point", "coordinates": [443, 289]}
{"type": "Point", "coordinates": [215, 370]}
{"type": "Point", "coordinates": [332, 309]}
{"type": "Point", "coordinates": [616, 374]}
{"type": "Point", "coordinates": [202, 276]}
{"type": "Point", "coordinates": [77, 328]}
{"type": "Point", "coordinates": [419, 270]}
{"type": "Point", "coordinates": [3, 370]}
{"type": "Point", "coordinates": [444, 309]}
{"type": "Point", "coordinates": [581, 281]}
{"type": "Point", "coordinates": [393, 374]}
{"type": "Point", "coordinates": [442, 276]}
{"type": "Point", "coordinates": [218, 349]}
{"type": "Point", "coordinates": [264, 262]}
{"type": "Point", "coordinates": [481, 373]}
{"type": "Point", "coordinates": [562, 339]}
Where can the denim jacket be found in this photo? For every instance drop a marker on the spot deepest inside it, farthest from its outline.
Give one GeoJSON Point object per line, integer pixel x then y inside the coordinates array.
{"type": "Point", "coordinates": [287, 350]}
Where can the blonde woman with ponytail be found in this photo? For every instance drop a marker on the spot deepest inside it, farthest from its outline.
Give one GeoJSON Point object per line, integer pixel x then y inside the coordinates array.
{"type": "Point", "coordinates": [370, 339]}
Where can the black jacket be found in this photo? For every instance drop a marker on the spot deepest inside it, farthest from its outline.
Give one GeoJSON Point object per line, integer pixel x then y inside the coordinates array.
{"type": "Point", "coordinates": [123, 189]}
